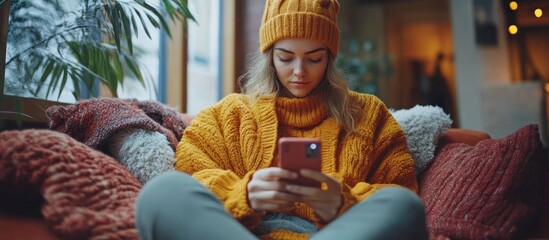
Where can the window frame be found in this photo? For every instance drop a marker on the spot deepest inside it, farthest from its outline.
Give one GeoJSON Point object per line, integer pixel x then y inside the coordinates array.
{"type": "Point", "coordinates": [4, 16]}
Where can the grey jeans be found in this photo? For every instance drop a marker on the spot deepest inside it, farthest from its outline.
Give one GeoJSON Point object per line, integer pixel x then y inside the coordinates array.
{"type": "Point", "coordinates": [176, 206]}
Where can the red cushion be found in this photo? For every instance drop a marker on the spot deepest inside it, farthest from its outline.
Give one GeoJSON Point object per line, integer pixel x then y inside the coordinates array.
{"type": "Point", "coordinates": [487, 191]}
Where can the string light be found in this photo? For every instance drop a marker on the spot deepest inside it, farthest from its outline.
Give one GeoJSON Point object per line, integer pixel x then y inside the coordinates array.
{"type": "Point", "coordinates": [513, 29]}
{"type": "Point", "coordinates": [513, 5]}
{"type": "Point", "coordinates": [538, 12]}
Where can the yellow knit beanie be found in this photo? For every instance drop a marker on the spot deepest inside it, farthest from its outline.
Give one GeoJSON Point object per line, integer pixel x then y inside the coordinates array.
{"type": "Point", "coordinates": [303, 19]}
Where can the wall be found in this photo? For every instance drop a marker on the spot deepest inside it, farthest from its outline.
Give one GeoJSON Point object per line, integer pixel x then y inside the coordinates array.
{"type": "Point", "coordinates": [249, 14]}
{"type": "Point", "coordinates": [487, 98]}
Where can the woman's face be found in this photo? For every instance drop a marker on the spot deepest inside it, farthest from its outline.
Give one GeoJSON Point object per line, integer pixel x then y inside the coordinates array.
{"type": "Point", "coordinates": [300, 65]}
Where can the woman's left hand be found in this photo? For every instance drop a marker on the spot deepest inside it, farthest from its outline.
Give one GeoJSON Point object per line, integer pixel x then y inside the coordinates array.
{"type": "Point", "coordinates": [325, 202]}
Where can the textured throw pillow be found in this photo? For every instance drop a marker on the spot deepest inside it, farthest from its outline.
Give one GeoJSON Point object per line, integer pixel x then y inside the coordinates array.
{"type": "Point", "coordinates": [423, 126]}
{"type": "Point", "coordinates": [487, 191]}
{"type": "Point", "coordinates": [87, 194]}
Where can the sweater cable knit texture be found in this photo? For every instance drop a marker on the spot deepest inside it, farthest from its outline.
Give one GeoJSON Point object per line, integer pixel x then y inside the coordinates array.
{"type": "Point", "coordinates": [242, 138]}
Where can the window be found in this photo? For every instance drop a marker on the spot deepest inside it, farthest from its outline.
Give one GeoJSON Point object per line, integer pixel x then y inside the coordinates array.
{"type": "Point", "coordinates": [35, 30]}
{"type": "Point", "coordinates": [30, 36]}
{"type": "Point", "coordinates": [204, 57]}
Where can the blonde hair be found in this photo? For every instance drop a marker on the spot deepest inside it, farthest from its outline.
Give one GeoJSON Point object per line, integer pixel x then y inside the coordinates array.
{"type": "Point", "coordinates": [260, 80]}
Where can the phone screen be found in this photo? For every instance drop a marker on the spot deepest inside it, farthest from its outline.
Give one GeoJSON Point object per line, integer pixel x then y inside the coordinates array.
{"type": "Point", "coordinates": [299, 153]}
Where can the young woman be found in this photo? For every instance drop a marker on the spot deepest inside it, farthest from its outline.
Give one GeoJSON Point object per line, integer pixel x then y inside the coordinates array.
{"type": "Point", "coordinates": [229, 185]}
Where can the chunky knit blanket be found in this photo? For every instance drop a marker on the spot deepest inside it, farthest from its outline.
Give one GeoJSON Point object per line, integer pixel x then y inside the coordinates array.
{"type": "Point", "coordinates": [94, 121]}
{"type": "Point", "coordinates": [87, 194]}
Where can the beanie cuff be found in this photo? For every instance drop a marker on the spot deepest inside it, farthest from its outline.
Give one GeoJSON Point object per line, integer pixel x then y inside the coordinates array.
{"type": "Point", "coordinates": [300, 26]}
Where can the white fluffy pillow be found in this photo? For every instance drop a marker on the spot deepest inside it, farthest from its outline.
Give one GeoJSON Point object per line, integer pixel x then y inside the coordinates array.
{"type": "Point", "coordinates": [423, 126]}
{"type": "Point", "coordinates": [144, 153]}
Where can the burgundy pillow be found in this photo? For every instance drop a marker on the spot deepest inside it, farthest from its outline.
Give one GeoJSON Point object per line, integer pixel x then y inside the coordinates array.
{"type": "Point", "coordinates": [487, 191]}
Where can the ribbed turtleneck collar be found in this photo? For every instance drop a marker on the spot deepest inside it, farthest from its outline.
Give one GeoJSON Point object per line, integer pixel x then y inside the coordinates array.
{"type": "Point", "coordinates": [301, 112]}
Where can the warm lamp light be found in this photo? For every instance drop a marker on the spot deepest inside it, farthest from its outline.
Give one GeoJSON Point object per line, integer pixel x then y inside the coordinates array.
{"type": "Point", "coordinates": [513, 5]}
{"type": "Point", "coordinates": [513, 29]}
{"type": "Point", "coordinates": [547, 87]}
{"type": "Point", "coordinates": [538, 12]}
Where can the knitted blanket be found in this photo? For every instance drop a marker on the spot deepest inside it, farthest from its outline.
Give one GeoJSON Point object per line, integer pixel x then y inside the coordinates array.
{"type": "Point", "coordinates": [94, 121]}
{"type": "Point", "coordinates": [140, 135]}
{"type": "Point", "coordinates": [87, 194]}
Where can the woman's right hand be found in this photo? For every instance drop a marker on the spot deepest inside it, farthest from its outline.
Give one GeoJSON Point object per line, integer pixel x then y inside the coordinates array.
{"type": "Point", "coordinates": [266, 191]}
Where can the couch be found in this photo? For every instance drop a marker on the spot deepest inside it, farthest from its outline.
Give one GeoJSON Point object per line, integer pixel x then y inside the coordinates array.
{"type": "Point", "coordinates": [69, 182]}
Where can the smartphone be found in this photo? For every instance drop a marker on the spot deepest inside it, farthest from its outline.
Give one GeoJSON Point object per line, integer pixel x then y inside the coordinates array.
{"type": "Point", "coordinates": [298, 153]}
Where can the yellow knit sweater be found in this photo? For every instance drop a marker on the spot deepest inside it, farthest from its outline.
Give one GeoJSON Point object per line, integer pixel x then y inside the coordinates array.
{"type": "Point", "coordinates": [227, 142]}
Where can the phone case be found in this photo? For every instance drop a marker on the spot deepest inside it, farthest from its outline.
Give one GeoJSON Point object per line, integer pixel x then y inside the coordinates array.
{"type": "Point", "coordinates": [299, 153]}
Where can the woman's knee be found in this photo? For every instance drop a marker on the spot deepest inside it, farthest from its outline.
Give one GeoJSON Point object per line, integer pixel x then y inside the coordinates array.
{"type": "Point", "coordinates": [170, 178]}
{"type": "Point", "coordinates": [403, 202]}
{"type": "Point", "coordinates": [405, 197]}
{"type": "Point", "coordinates": [169, 189]}
{"type": "Point", "coordinates": [166, 183]}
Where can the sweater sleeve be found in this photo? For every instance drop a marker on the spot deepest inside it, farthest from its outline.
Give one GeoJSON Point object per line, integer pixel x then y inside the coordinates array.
{"type": "Point", "coordinates": [207, 153]}
{"type": "Point", "coordinates": [391, 164]}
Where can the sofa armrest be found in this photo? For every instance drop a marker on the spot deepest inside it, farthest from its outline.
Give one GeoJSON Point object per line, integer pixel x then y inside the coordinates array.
{"type": "Point", "coordinates": [462, 135]}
